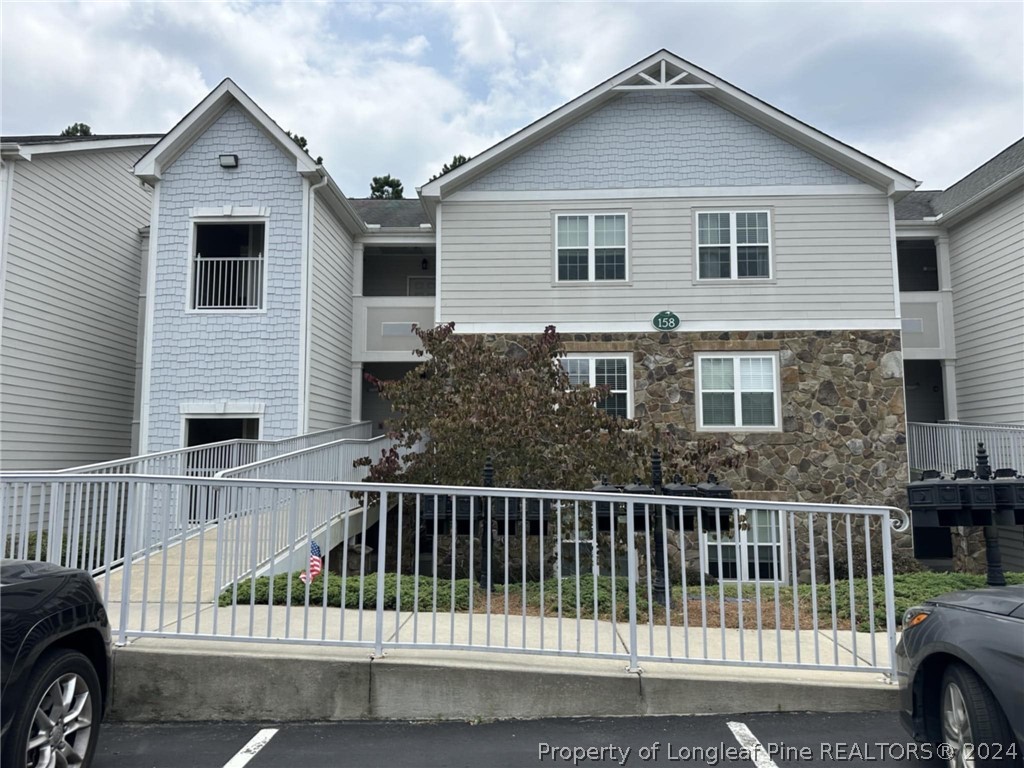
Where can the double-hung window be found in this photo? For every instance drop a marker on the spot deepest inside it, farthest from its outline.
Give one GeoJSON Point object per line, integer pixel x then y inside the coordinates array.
{"type": "Point", "coordinates": [734, 245]}
{"type": "Point", "coordinates": [610, 372]}
{"type": "Point", "coordinates": [228, 265]}
{"type": "Point", "coordinates": [590, 247]}
{"type": "Point", "coordinates": [738, 391]}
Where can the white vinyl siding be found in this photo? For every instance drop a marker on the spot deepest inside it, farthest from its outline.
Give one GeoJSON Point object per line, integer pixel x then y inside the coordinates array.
{"type": "Point", "coordinates": [986, 255]}
{"type": "Point", "coordinates": [737, 392]}
{"type": "Point", "coordinates": [833, 262]}
{"type": "Point", "coordinates": [70, 309]}
{"type": "Point", "coordinates": [610, 371]}
{"type": "Point", "coordinates": [330, 344]}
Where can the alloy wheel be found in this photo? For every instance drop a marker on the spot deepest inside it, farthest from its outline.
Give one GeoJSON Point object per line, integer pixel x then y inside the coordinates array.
{"type": "Point", "coordinates": [59, 733]}
{"type": "Point", "coordinates": [956, 727]}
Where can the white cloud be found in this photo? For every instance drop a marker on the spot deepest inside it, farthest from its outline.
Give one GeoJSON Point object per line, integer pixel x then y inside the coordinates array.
{"type": "Point", "coordinates": [401, 87]}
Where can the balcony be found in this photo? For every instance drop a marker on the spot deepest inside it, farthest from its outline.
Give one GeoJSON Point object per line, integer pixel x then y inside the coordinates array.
{"type": "Point", "coordinates": [383, 326]}
{"type": "Point", "coordinates": [927, 325]}
{"type": "Point", "coordinates": [952, 445]}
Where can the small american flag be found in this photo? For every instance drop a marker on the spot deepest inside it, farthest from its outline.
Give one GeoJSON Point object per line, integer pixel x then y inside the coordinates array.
{"type": "Point", "coordinates": [316, 563]}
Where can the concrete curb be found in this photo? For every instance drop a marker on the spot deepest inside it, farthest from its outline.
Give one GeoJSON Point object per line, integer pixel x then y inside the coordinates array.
{"type": "Point", "coordinates": [175, 681]}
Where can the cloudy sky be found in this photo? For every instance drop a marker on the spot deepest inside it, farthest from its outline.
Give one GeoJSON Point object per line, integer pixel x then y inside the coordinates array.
{"type": "Point", "coordinates": [932, 88]}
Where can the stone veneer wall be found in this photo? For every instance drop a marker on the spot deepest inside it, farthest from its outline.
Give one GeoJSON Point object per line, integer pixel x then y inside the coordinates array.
{"type": "Point", "coordinates": [843, 437]}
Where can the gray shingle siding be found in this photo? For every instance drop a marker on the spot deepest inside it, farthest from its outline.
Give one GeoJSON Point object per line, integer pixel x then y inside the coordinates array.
{"type": "Point", "coordinates": [227, 356]}
{"type": "Point", "coordinates": [650, 140]}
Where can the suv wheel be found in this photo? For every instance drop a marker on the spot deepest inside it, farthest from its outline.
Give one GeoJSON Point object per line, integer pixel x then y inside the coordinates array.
{"type": "Point", "coordinates": [58, 723]}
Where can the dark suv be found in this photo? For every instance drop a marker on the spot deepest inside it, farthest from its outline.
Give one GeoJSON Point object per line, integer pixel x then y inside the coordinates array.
{"type": "Point", "coordinates": [55, 665]}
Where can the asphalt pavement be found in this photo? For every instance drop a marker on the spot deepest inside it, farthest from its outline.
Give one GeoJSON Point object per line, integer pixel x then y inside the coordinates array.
{"type": "Point", "coordinates": [760, 740]}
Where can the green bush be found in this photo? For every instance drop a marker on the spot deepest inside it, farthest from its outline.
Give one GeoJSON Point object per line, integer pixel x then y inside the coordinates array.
{"type": "Point", "coordinates": [909, 589]}
{"type": "Point", "coordinates": [257, 591]}
{"type": "Point", "coordinates": [38, 542]}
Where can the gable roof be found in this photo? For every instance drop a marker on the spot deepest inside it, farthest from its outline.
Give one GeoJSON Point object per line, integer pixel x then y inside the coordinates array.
{"type": "Point", "coordinates": [389, 214]}
{"type": "Point", "coordinates": [150, 167]}
{"type": "Point", "coordinates": [24, 147]}
{"type": "Point", "coordinates": [664, 70]}
{"type": "Point", "coordinates": [974, 189]}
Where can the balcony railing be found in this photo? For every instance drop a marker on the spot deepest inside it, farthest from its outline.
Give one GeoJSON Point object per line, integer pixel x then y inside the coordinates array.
{"type": "Point", "coordinates": [227, 282]}
{"type": "Point", "coordinates": [949, 446]}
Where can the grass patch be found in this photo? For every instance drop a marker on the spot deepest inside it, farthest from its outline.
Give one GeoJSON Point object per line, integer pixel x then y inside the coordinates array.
{"type": "Point", "coordinates": [721, 604]}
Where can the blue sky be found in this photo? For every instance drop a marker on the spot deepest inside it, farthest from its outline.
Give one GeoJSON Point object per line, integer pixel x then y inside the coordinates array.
{"type": "Point", "coordinates": [931, 88]}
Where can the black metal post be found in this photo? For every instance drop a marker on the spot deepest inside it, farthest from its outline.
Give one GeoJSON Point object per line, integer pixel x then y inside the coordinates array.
{"type": "Point", "coordinates": [993, 558]}
{"type": "Point", "coordinates": [658, 530]}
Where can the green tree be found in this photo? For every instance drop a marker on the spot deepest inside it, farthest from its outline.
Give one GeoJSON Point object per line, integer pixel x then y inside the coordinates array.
{"type": "Point", "coordinates": [301, 141]}
{"type": "Point", "coordinates": [517, 406]}
{"type": "Point", "coordinates": [457, 160]}
{"type": "Point", "coordinates": [77, 129]}
{"type": "Point", "coordinates": [386, 188]}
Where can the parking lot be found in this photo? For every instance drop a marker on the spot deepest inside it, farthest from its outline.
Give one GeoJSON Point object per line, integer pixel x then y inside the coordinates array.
{"type": "Point", "coordinates": [761, 740]}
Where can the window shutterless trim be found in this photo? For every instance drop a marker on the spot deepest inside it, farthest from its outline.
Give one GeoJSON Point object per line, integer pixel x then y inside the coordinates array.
{"type": "Point", "coordinates": [733, 245]}
{"type": "Point", "coordinates": [198, 220]}
{"type": "Point", "coordinates": [591, 247]}
{"type": "Point", "coordinates": [592, 373]}
{"type": "Point", "coordinates": [737, 392]}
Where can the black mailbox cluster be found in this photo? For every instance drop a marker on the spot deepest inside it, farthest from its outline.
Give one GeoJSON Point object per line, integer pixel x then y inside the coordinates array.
{"type": "Point", "coordinates": [709, 489]}
{"type": "Point", "coordinates": [970, 497]}
{"type": "Point", "coordinates": [976, 497]}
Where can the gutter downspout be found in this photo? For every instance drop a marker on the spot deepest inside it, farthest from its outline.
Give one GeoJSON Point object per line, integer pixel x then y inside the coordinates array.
{"type": "Point", "coordinates": [306, 303]}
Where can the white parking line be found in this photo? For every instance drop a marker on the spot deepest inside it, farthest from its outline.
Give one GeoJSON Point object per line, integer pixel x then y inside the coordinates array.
{"type": "Point", "coordinates": [248, 752]}
{"type": "Point", "coordinates": [749, 741]}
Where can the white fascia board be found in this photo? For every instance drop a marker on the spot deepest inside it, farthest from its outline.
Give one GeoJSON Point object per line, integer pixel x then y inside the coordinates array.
{"type": "Point", "coordinates": [27, 151]}
{"type": "Point", "coordinates": [398, 236]}
{"type": "Point", "coordinates": [342, 208]}
{"type": "Point", "coordinates": [685, 326]}
{"type": "Point", "coordinates": [189, 128]}
{"type": "Point", "coordinates": [723, 93]}
{"type": "Point", "coordinates": [918, 229]}
{"type": "Point", "coordinates": [862, 190]}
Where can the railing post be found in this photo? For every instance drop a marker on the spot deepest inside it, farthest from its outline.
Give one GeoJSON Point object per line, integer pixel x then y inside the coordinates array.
{"type": "Point", "coordinates": [55, 535]}
{"type": "Point", "coordinates": [890, 598]}
{"type": "Point", "coordinates": [382, 533]}
{"type": "Point", "coordinates": [126, 568]}
{"type": "Point", "coordinates": [634, 665]}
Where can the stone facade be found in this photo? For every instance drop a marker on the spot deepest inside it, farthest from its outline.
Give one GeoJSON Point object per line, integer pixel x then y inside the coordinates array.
{"type": "Point", "coordinates": [843, 435]}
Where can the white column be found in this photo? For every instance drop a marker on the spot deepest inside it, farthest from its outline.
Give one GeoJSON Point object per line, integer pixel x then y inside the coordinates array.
{"type": "Point", "coordinates": [357, 269]}
{"type": "Point", "coordinates": [949, 389]}
{"type": "Point", "coordinates": [357, 392]}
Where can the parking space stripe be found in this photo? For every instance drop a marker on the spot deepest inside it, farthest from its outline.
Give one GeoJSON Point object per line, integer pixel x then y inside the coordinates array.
{"type": "Point", "coordinates": [248, 752]}
{"type": "Point", "coordinates": [749, 741]}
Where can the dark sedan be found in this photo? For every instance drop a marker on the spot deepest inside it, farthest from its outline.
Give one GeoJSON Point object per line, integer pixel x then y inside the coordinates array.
{"type": "Point", "coordinates": [55, 665]}
{"type": "Point", "coordinates": [960, 663]}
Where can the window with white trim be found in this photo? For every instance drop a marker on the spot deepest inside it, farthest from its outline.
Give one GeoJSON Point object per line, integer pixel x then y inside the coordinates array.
{"type": "Point", "coordinates": [228, 265]}
{"type": "Point", "coordinates": [737, 391]}
{"type": "Point", "coordinates": [734, 245]}
{"type": "Point", "coordinates": [610, 372]}
{"type": "Point", "coordinates": [590, 247]}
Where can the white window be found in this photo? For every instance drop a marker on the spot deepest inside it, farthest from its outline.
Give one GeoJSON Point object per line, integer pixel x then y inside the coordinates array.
{"type": "Point", "coordinates": [737, 391]}
{"type": "Point", "coordinates": [228, 265]}
{"type": "Point", "coordinates": [590, 247]}
{"type": "Point", "coordinates": [610, 372]}
{"type": "Point", "coordinates": [734, 245]}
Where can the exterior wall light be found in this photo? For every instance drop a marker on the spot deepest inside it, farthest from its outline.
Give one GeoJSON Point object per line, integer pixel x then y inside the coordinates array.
{"type": "Point", "coordinates": [229, 161]}
{"type": "Point", "coordinates": [425, 264]}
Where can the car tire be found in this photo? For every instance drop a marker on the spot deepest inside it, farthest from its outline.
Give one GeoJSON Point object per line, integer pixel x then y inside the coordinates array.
{"type": "Point", "coordinates": [969, 714]}
{"type": "Point", "coordinates": [62, 673]}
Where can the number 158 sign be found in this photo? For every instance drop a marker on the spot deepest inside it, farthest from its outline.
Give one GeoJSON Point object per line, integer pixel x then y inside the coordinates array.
{"type": "Point", "coordinates": [665, 321]}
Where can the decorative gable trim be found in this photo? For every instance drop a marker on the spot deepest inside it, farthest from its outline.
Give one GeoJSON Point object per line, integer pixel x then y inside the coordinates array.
{"type": "Point", "coordinates": [666, 71]}
{"type": "Point", "coordinates": [150, 167]}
